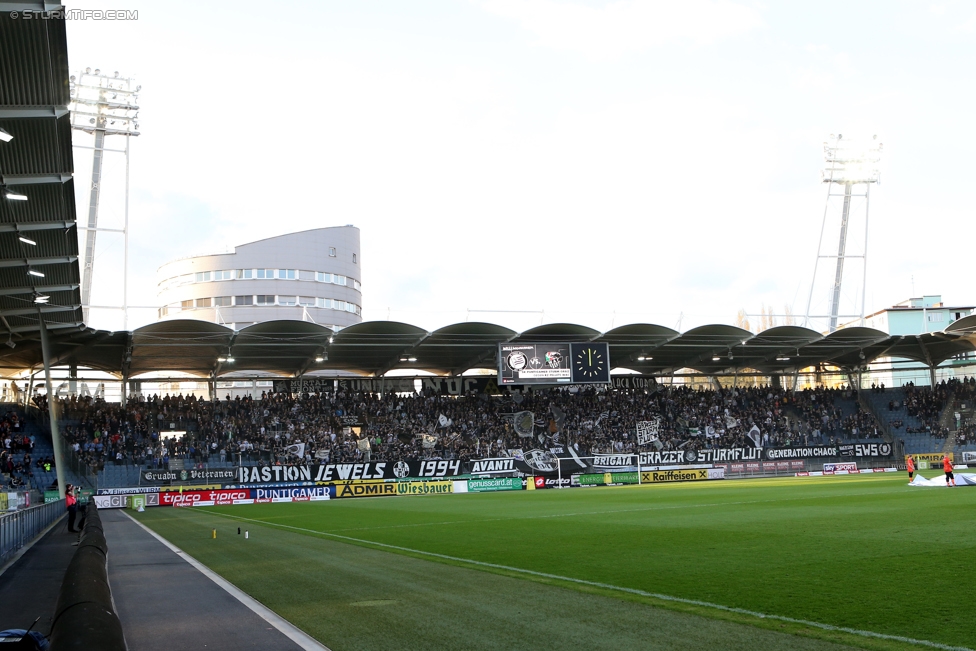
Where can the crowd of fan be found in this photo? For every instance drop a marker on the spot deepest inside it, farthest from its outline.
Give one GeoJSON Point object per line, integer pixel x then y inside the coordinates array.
{"type": "Point", "coordinates": [15, 452]}
{"type": "Point", "coordinates": [926, 405]}
{"type": "Point", "coordinates": [355, 426]}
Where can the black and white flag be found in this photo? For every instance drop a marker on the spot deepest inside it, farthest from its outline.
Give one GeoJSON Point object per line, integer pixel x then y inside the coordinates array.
{"type": "Point", "coordinates": [755, 436]}
{"type": "Point", "coordinates": [524, 424]}
{"type": "Point", "coordinates": [648, 430]}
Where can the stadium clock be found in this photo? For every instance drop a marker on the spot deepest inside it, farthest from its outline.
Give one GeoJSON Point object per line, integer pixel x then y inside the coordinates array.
{"type": "Point", "coordinates": [590, 363]}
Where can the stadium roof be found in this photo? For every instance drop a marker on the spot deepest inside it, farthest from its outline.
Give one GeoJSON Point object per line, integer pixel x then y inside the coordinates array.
{"type": "Point", "coordinates": [292, 348]}
{"type": "Point", "coordinates": [38, 235]}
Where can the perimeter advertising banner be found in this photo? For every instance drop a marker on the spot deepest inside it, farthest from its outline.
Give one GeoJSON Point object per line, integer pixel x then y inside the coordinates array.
{"type": "Point", "coordinates": [655, 476]}
{"type": "Point", "coordinates": [494, 484]}
{"type": "Point", "coordinates": [424, 487]}
{"type": "Point", "coordinates": [204, 498]}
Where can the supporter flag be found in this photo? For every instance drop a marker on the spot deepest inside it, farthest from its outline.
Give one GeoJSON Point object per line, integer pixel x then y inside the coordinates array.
{"type": "Point", "coordinates": [298, 449]}
{"type": "Point", "coordinates": [524, 424]}
{"type": "Point", "coordinates": [363, 444]}
{"type": "Point", "coordinates": [647, 430]}
{"type": "Point", "coordinates": [322, 454]}
{"type": "Point", "coordinates": [559, 416]}
{"type": "Point", "coordinates": [429, 441]}
{"type": "Point", "coordinates": [444, 421]}
{"type": "Point", "coordinates": [731, 422]}
{"type": "Point", "coordinates": [755, 436]}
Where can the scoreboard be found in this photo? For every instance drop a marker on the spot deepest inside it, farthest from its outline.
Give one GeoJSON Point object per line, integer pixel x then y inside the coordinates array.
{"type": "Point", "coordinates": [553, 363]}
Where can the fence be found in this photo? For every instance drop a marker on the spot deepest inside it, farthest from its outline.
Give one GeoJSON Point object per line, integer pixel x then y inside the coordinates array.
{"type": "Point", "coordinates": [18, 528]}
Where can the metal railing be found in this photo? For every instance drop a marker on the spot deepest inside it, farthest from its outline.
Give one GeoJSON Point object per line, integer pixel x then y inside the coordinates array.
{"type": "Point", "coordinates": [18, 528]}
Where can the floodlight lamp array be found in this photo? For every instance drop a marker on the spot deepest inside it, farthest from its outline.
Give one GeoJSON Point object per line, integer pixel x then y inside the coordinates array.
{"type": "Point", "coordinates": [851, 162]}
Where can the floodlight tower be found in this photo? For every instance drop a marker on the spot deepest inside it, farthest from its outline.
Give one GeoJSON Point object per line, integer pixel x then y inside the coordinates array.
{"type": "Point", "coordinates": [853, 166]}
{"type": "Point", "coordinates": [104, 105]}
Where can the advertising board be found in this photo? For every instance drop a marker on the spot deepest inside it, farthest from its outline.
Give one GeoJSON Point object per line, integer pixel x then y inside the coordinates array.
{"type": "Point", "coordinates": [608, 478]}
{"type": "Point", "coordinates": [653, 477]}
{"type": "Point", "coordinates": [345, 489]}
{"type": "Point", "coordinates": [204, 498]}
{"type": "Point", "coordinates": [838, 468]}
{"type": "Point", "coordinates": [424, 487]}
{"type": "Point", "coordinates": [304, 493]}
{"type": "Point", "coordinates": [491, 485]}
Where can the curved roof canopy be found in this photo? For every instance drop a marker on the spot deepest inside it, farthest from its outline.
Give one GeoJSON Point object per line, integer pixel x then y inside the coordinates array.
{"type": "Point", "coordinates": [294, 348]}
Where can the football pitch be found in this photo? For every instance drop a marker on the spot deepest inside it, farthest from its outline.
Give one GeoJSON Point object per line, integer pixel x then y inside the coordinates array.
{"type": "Point", "coordinates": [861, 561]}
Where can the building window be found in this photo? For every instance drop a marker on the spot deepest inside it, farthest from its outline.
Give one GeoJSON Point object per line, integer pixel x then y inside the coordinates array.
{"type": "Point", "coordinates": [323, 302]}
{"type": "Point", "coordinates": [332, 252]}
{"type": "Point", "coordinates": [357, 285]}
{"type": "Point", "coordinates": [338, 305]}
{"type": "Point", "coordinates": [264, 299]}
{"type": "Point", "coordinates": [186, 305]}
{"type": "Point", "coordinates": [226, 274]}
{"type": "Point", "coordinates": [243, 300]}
{"type": "Point", "coordinates": [306, 301]}
{"type": "Point", "coordinates": [935, 318]}
{"type": "Point", "coordinates": [354, 258]}
{"type": "Point", "coordinates": [323, 277]}
{"type": "Point", "coordinates": [203, 302]}
{"type": "Point", "coordinates": [163, 311]}
{"type": "Point", "coordinates": [223, 301]}
{"type": "Point", "coordinates": [350, 307]}
{"type": "Point", "coordinates": [201, 277]}
{"type": "Point", "coordinates": [264, 273]}
{"type": "Point", "coordinates": [245, 273]}
{"type": "Point", "coordinates": [287, 274]}
{"type": "Point", "coordinates": [287, 300]}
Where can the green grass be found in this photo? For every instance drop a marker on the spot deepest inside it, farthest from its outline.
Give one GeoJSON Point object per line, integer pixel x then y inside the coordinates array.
{"type": "Point", "coordinates": [862, 552]}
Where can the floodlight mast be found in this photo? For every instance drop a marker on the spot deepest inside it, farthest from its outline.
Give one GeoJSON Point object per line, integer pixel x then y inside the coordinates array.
{"type": "Point", "coordinates": [850, 164]}
{"type": "Point", "coordinates": [104, 105]}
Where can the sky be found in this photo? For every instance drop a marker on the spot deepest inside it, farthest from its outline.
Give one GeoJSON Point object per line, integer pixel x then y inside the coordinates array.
{"type": "Point", "coordinates": [537, 161]}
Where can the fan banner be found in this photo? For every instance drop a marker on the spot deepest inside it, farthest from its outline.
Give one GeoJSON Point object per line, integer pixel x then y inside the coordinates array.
{"type": "Point", "coordinates": [647, 431]}
{"type": "Point", "coordinates": [328, 472]}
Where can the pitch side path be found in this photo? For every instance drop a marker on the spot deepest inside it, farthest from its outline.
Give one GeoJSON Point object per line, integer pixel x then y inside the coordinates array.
{"type": "Point", "coordinates": [165, 604]}
{"type": "Point", "coordinates": [800, 563]}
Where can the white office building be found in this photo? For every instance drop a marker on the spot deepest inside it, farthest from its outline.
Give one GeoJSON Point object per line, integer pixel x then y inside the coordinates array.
{"type": "Point", "coordinates": [310, 276]}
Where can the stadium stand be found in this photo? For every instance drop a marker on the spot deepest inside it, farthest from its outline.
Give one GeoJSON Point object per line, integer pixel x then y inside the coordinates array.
{"type": "Point", "coordinates": [116, 442]}
{"type": "Point", "coordinates": [920, 416]}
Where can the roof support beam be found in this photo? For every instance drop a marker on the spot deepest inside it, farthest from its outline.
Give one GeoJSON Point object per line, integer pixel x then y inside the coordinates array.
{"type": "Point", "coordinates": [32, 111]}
{"type": "Point", "coordinates": [23, 262]}
{"type": "Point", "coordinates": [34, 179]}
{"type": "Point", "coordinates": [44, 309]}
{"type": "Point", "coordinates": [481, 357]}
{"type": "Point", "coordinates": [24, 289]}
{"type": "Point", "coordinates": [21, 227]}
{"type": "Point", "coordinates": [406, 350]}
